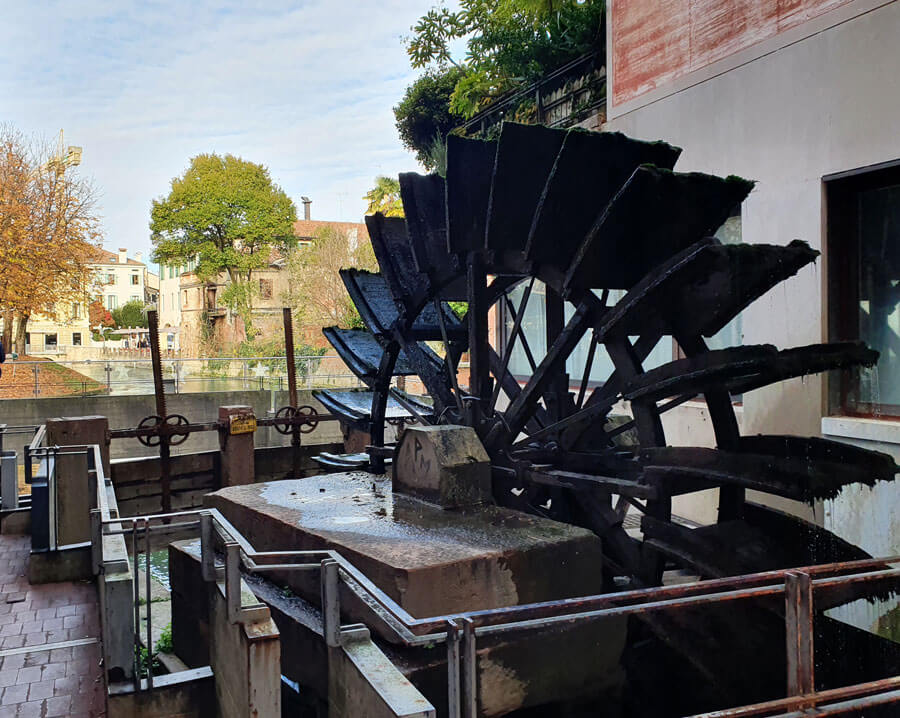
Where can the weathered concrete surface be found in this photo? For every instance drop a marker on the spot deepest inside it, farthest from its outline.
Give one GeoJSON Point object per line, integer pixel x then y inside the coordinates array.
{"type": "Point", "coordinates": [72, 563]}
{"type": "Point", "coordinates": [190, 617]}
{"type": "Point", "coordinates": [237, 465]}
{"type": "Point", "coordinates": [181, 695]}
{"type": "Point", "coordinates": [17, 521]}
{"type": "Point", "coordinates": [74, 493]}
{"type": "Point", "coordinates": [446, 465]}
{"type": "Point", "coordinates": [127, 411]}
{"type": "Point", "coordinates": [245, 659]}
{"type": "Point", "coordinates": [429, 560]}
{"type": "Point", "coordinates": [362, 682]}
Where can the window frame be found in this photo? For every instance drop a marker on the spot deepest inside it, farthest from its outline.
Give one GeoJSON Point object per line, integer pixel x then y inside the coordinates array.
{"type": "Point", "coordinates": [842, 243]}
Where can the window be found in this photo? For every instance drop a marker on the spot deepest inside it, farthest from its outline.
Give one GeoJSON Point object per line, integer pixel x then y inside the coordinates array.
{"type": "Point", "coordinates": [265, 288]}
{"type": "Point", "coordinates": [50, 341]}
{"type": "Point", "coordinates": [863, 246]}
{"type": "Point", "coordinates": [135, 278]}
{"type": "Point", "coordinates": [76, 310]}
{"type": "Point", "coordinates": [162, 302]}
{"type": "Point", "coordinates": [110, 277]}
{"type": "Point", "coordinates": [731, 335]}
{"type": "Point", "coordinates": [76, 339]}
{"type": "Point", "coordinates": [135, 298]}
{"type": "Point", "coordinates": [535, 332]}
{"type": "Point", "coordinates": [112, 302]}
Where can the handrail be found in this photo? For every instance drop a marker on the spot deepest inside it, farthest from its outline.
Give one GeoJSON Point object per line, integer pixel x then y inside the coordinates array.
{"type": "Point", "coordinates": [504, 102]}
{"type": "Point", "coordinates": [460, 631]}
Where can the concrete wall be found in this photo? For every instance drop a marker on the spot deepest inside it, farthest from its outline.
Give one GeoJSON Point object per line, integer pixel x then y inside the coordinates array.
{"type": "Point", "coordinates": [785, 113]}
{"type": "Point", "coordinates": [127, 411]}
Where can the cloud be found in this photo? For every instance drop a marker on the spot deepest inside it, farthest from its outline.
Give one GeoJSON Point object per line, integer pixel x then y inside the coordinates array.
{"type": "Point", "coordinates": [305, 88]}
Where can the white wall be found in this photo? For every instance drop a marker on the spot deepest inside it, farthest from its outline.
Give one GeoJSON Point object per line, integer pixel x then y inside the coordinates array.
{"type": "Point", "coordinates": [786, 117]}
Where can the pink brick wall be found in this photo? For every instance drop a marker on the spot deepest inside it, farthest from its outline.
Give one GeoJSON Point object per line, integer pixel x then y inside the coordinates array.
{"type": "Point", "coordinates": [657, 41]}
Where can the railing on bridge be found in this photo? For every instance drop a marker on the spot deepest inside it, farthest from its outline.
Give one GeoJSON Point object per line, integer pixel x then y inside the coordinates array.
{"type": "Point", "coordinates": [181, 375]}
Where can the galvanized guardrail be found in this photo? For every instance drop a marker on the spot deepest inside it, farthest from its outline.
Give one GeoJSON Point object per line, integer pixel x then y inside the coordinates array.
{"type": "Point", "coordinates": [460, 632]}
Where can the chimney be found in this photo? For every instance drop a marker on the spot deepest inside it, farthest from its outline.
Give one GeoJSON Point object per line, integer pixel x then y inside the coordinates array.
{"type": "Point", "coordinates": [306, 203]}
{"type": "Point", "coordinates": [139, 256]}
{"type": "Point", "coordinates": [123, 256]}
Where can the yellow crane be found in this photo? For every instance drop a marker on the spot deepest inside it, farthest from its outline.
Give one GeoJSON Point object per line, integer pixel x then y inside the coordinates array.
{"type": "Point", "coordinates": [63, 158]}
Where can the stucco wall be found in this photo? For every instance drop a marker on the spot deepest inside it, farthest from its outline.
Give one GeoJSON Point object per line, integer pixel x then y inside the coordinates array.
{"type": "Point", "coordinates": [824, 104]}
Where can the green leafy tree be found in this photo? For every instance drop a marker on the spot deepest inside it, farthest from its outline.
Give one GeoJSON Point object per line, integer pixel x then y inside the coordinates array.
{"type": "Point", "coordinates": [239, 297]}
{"type": "Point", "coordinates": [227, 215]}
{"type": "Point", "coordinates": [130, 314]}
{"type": "Point", "coordinates": [424, 116]}
{"type": "Point", "coordinates": [384, 197]}
{"type": "Point", "coordinates": [508, 42]}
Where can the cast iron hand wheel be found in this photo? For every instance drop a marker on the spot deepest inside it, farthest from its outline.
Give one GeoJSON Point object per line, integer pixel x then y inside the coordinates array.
{"type": "Point", "coordinates": [306, 412]}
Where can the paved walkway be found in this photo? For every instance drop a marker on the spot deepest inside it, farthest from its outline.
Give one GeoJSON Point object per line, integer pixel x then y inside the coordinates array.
{"type": "Point", "coordinates": [49, 650]}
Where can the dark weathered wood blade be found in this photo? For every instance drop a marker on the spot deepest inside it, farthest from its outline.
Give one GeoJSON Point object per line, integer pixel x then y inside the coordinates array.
{"type": "Point", "coordinates": [590, 169]}
{"type": "Point", "coordinates": [362, 353]}
{"type": "Point", "coordinates": [470, 166]}
{"type": "Point", "coordinates": [701, 289]}
{"type": "Point", "coordinates": [525, 158]}
{"type": "Point", "coordinates": [655, 215]}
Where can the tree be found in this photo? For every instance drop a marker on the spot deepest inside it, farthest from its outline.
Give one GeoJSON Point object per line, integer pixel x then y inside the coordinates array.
{"type": "Point", "coordinates": [384, 197]}
{"type": "Point", "coordinates": [317, 293]}
{"type": "Point", "coordinates": [424, 115]}
{"type": "Point", "coordinates": [227, 215]}
{"type": "Point", "coordinates": [100, 316]}
{"type": "Point", "coordinates": [130, 314]}
{"type": "Point", "coordinates": [508, 42]}
{"type": "Point", "coordinates": [49, 231]}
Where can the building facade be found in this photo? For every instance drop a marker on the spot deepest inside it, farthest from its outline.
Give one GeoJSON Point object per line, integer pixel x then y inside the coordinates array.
{"type": "Point", "coordinates": [196, 308]}
{"type": "Point", "coordinates": [800, 96]}
{"type": "Point", "coordinates": [117, 279]}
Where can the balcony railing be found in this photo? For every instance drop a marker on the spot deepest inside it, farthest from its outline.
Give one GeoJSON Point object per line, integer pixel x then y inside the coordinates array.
{"type": "Point", "coordinates": [562, 98]}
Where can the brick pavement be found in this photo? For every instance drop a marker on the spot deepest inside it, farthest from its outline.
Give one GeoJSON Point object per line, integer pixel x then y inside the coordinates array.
{"type": "Point", "coordinates": [38, 676]}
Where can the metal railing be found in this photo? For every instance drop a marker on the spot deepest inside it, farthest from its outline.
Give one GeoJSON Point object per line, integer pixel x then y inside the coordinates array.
{"type": "Point", "coordinates": [560, 97]}
{"type": "Point", "coordinates": [182, 375]}
{"type": "Point", "coordinates": [461, 631]}
{"type": "Point", "coordinates": [10, 498]}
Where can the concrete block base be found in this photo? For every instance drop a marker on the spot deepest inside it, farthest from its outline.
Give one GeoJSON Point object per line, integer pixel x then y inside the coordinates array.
{"type": "Point", "coordinates": [15, 521]}
{"type": "Point", "coordinates": [70, 563]}
{"type": "Point", "coordinates": [189, 694]}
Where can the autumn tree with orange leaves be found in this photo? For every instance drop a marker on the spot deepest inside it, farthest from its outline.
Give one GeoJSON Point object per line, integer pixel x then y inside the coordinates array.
{"type": "Point", "coordinates": [49, 233]}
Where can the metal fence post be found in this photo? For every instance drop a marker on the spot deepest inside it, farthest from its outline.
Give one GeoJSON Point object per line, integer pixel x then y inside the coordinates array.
{"type": "Point", "coordinates": [36, 370]}
{"type": "Point", "coordinates": [798, 618]}
{"type": "Point", "coordinates": [207, 550]}
{"type": "Point", "coordinates": [469, 671]}
{"type": "Point", "coordinates": [331, 603]}
{"type": "Point", "coordinates": [233, 580]}
{"type": "Point", "coordinates": [453, 689]}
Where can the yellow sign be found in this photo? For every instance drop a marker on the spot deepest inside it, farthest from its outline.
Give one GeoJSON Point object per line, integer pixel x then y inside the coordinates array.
{"type": "Point", "coordinates": [241, 424]}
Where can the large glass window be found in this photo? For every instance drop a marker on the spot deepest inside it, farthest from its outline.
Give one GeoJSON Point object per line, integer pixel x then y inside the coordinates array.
{"type": "Point", "coordinates": [864, 286]}
{"type": "Point", "coordinates": [535, 331]}
{"type": "Point", "coordinates": [731, 335]}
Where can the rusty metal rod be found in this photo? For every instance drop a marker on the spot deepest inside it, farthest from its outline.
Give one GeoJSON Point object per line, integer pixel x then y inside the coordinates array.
{"type": "Point", "coordinates": [792, 702]}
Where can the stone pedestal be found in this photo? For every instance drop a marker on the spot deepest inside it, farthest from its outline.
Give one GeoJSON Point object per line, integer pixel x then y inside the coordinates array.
{"type": "Point", "coordinates": [75, 494]}
{"type": "Point", "coordinates": [237, 468]}
{"type": "Point", "coordinates": [446, 465]}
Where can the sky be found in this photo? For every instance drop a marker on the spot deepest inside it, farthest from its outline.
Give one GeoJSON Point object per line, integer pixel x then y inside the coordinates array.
{"type": "Point", "coordinates": [305, 88]}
